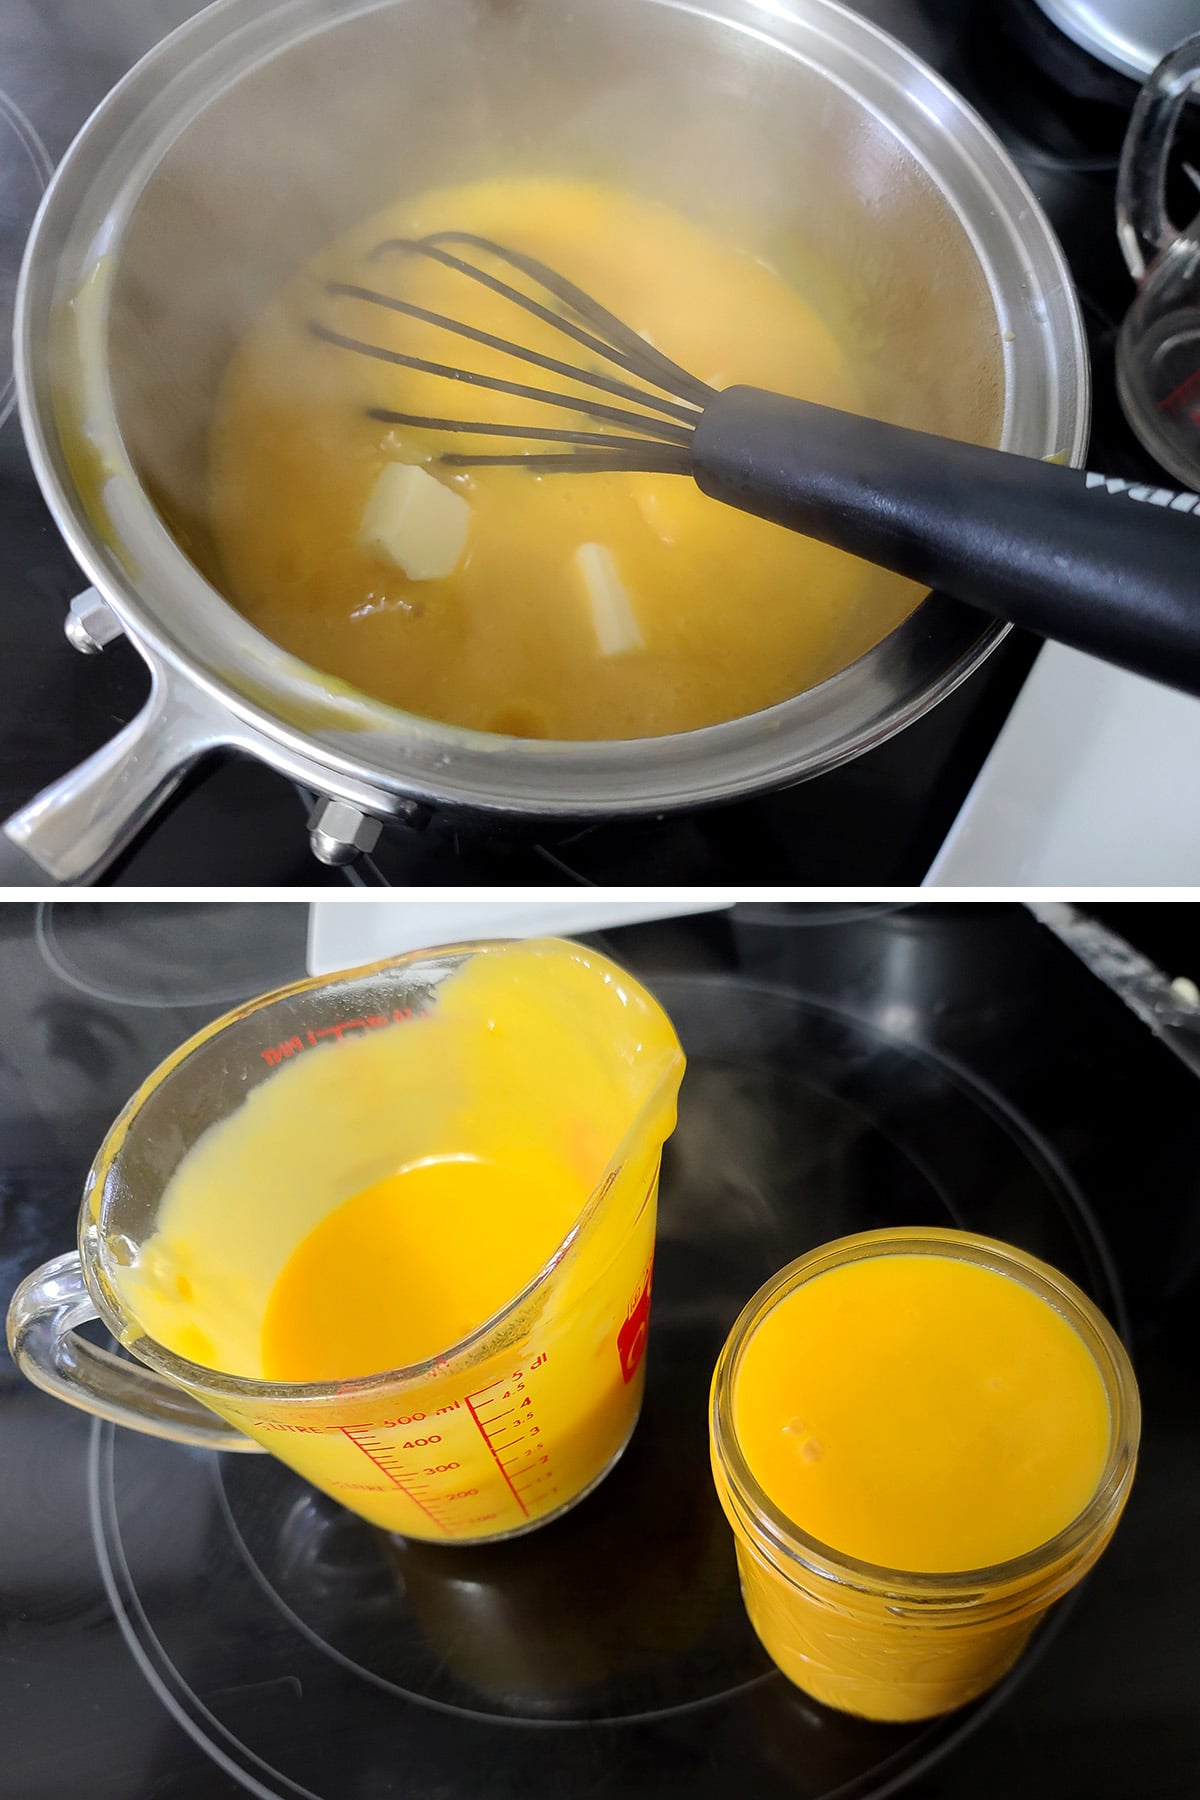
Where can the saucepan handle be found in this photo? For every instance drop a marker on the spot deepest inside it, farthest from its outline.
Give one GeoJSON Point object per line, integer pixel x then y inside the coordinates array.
{"type": "Point", "coordinates": [74, 829]}
{"type": "Point", "coordinates": [1144, 226]}
{"type": "Point", "coordinates": [19, 870]}
{"type": "Point", "coordinates": [46, 1347]}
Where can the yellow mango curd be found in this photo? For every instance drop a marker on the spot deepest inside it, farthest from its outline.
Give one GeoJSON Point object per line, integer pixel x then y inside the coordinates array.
{"type": "Point", "coordinates": [919, 1423]}
{"type": "Point", "coordinates": [379, 1200]}
{"type": "Point", "coordinates": [562, 606]}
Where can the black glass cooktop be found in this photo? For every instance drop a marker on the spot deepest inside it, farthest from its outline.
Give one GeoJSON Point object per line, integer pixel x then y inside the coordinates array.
{"type": "Point", "coordinates": [177, 1626]}
{"type": "Point", "coordinates": [879, 820]}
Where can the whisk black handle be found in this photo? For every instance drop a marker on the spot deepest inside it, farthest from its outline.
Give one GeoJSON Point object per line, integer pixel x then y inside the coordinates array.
{"type": "Point", "coordinates": [1108, 567]}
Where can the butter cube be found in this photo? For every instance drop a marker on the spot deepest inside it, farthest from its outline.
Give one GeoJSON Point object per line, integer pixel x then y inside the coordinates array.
{"type": "Point", "coordinates": [415, 521]}
{"type": "Point", "coordinates": [613, 618]}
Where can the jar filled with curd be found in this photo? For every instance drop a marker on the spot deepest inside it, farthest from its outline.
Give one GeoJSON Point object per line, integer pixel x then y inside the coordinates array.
{"type": "Point", "coordinates": [922, 1440]}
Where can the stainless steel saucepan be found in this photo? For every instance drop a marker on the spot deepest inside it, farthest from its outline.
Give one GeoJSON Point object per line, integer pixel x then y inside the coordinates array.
{"type": "Point", "coordinates": [257, 132]}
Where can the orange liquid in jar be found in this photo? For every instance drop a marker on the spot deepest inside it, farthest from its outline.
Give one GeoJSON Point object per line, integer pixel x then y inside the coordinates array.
{"type": "Point", "coordinates": [926, 1415]}
{"type": "Point", "coordinates": [922, 1413]}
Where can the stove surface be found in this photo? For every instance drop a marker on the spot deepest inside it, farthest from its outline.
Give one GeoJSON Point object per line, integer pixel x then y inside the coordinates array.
{"type": "Point", "coordinates": [879, 820]}
{"type": "Point", "coordinates": [180, 1627]}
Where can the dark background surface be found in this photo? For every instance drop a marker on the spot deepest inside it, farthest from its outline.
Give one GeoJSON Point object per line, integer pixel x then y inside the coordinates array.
{"type": "Point", "coordinates": [878, 821]}
{"type": "Point", "coordinates": [92, 996]}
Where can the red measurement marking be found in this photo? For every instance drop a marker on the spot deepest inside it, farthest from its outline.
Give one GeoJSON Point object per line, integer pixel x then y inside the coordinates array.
{"type": "Point", "coordinates": [277, 1053]}
{"type": "Point", "coordinates": [1184, 392]}
{"type": "Point", "coordinates": [487, 1435]}
{"type": "Point", "coordinates": [389, 1470]}
{"type": "Point", "coordinates": [631, 1338]}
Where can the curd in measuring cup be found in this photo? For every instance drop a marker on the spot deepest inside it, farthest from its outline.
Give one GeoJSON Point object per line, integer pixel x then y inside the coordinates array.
{"type": "Point", "coordinates": [461, 1204]}
{"type": "Point", "coordinates": [921, 1440]}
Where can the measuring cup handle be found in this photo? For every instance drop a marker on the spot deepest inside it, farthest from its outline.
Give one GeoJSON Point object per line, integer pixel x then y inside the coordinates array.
{"type": "Point", "coordinates": [1144, 227]}
{"type": "Point", "coordinates": [45, 1346]}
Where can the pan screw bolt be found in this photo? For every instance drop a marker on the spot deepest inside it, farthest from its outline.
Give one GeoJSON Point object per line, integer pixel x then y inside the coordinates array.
{"type": "Point", "coordinates": [91, 623]}
{"type": "Point", "coordinates": [339, 832]}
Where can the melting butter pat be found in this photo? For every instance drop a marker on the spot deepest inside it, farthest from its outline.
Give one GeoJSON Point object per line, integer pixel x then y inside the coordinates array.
{"type": "Point", "coordinates": [416, 522]}
{"type": "Point", "coordinates": [613, 618]}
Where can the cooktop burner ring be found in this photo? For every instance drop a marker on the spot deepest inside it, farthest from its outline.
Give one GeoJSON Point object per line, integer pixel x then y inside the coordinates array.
{"type": "Point", "coordinates": [146, 958]}
{"type": "Point", "coordinates": [522, 1720]}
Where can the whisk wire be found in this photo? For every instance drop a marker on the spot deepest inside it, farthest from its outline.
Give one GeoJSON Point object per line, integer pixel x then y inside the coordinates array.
{"type": "Point", "coordinates": [541, 433]}
{"type": "Point", "coordinates": [619, 341]}
{"type": "Point", "coordinates": [647, 461]}
{"type": "Point", "coordinates": [616, 415]}
{"type": "Point", "coordinates": [670, 405]}
{"type": "Point", "coordinates": [521, 352]}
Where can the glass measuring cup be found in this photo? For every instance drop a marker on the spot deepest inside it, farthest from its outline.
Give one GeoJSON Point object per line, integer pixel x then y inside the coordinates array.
{"type": "Point", "coordinates": [1158, 350]}
{"type": "Point", "coordinates": [499, 1431]}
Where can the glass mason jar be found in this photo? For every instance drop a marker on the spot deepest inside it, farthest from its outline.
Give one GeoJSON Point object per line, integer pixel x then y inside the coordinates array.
{"type": "Point", "coordinates": [891, 1644]}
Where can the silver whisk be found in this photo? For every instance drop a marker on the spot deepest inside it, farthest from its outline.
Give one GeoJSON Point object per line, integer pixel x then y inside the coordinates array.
{"type": "Point", "coordinates": [671, 410]}
{"type": "Point", "coordinates": [1068, 555]}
